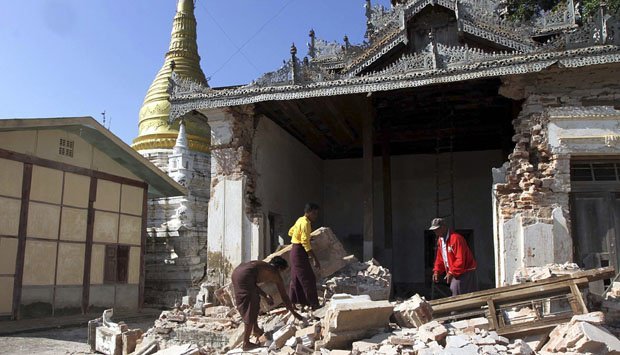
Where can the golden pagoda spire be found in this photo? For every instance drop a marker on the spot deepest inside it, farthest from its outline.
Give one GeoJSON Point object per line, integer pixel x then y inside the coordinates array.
{"type": "Point", "coordinates": [182, 58]}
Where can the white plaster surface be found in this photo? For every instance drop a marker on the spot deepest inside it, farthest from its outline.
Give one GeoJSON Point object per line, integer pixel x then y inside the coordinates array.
{"type": "Point", "coordinates": [288, 176]}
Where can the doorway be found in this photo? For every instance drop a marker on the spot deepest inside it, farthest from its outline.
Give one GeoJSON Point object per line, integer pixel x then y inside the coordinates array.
{"type": "Point", "coordinates": [595, 209]}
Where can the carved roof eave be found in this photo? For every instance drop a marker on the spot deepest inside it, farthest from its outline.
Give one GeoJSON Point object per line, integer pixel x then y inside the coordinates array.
{"type": "Point", "coordinates": [522, 64]}
{"type": "Point", "coordinates": [512, 41]}
{"type": "Point", "coordinates": [375, 53]}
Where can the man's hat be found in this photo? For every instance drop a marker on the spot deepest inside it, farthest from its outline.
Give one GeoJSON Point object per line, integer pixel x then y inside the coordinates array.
{"type": "Point", "coordinates": [436, 223]}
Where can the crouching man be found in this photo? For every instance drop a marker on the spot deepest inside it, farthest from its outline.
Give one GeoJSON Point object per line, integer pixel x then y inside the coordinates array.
{"type": "Point", "coordinates": [245, 280]}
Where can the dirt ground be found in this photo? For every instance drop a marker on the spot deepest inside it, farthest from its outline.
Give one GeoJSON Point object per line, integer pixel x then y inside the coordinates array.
{"type": "Point", "coordinates": [57, 341]}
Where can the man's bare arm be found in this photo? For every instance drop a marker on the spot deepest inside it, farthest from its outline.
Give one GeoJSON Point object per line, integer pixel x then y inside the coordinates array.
{"type": "Point", "coordinates": [287, 302]}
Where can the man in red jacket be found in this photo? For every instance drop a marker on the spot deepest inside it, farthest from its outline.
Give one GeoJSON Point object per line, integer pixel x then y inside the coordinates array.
{"type": "Point", "coordinates": [454, 258]}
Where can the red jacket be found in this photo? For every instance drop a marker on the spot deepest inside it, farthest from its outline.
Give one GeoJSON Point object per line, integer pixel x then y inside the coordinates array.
{"type": "Point", "coordinates": [460, 258]}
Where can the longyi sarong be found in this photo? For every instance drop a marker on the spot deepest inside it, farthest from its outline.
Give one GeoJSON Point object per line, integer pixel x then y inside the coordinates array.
{"type": "Point", "coordinates": [465, 283]}
{"type": "Point", "coordinates": [302, 289]}
{"type": "Point", "coordinates": [247, 298]}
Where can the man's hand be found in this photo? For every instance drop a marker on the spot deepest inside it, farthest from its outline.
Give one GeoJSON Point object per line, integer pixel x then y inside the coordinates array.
{"type": "Point", "coordinates": [269, 300]}
{"type": "Point", "coordinates": [435, 277]}
{"type": "Point", "coordinates": [449, 278]}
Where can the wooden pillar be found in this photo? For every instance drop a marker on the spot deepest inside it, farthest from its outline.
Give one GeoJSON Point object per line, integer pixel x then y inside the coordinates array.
{"type": "Point", "coordinates": [21, 241]}
{"type": "Point", "coordinates": [88, 252]}
{"type": "Point", "coordinates": [387, 194]}
{"type": "Point", "coordinates": [367, 173]}
{"type": "Point", "coordinates": [145, 198]}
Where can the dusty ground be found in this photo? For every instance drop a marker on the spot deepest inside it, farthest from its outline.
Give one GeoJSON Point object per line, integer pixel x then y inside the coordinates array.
{"type": "Point", "coordinates": [58, 341]}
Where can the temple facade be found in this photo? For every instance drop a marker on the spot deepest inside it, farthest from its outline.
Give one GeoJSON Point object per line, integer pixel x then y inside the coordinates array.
{"type": "Point", "coordinates": [510, 130]}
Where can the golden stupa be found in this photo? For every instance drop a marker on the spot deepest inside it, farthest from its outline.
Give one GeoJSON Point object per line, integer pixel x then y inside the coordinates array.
{"type": "Point", "coordinates": [154, 132]}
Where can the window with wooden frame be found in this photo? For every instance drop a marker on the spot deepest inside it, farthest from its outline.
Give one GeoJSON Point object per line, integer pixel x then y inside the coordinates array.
{"type": "Point", "coordinates": [116, 264]}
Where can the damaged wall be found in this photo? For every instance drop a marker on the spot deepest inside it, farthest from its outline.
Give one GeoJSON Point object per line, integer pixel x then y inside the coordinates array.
{"type": "Point", "coordinates": [235, 225]}
{"type": "Point", "coordinates": [532, 218]}
{"type": "Point", "coordinates": [413, 199]}
{"type": "Point", "coordinates": [290, 175]}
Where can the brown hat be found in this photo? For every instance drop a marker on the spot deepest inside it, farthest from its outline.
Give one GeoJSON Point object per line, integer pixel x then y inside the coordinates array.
{"type": "Point", "coordinates": [436, 223]}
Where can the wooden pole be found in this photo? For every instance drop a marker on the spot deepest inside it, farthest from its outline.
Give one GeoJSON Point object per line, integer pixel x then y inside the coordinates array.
{"type": "Point", "coordinates": [367, 185]}
{"type": "Point", "coordinates": [387, 194]}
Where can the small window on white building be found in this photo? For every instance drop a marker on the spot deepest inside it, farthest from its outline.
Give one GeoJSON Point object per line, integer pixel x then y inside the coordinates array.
{"type": "Point", "coordinates": [66, 147]}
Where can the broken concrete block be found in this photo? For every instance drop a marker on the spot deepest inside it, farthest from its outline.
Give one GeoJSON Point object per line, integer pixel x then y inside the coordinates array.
{"type": "Point", "coordinates": [469, 349]}
{"type": "Point", "coordinates": [388, 349]}
{"type": "Point", "coordinates": [308, 335]}
{"type": "Point", "coordinates": [498, 338]}
{"type": "Point", "coordinates": [413, 312]}
{"type": "Point", "coordinates": [596, 340]}
{"type": "Point", "coordinates": [401, 340]}
{"type": "Point", "coordinates": [148, 348]}
{"type": "Point", "coordinates": [217, 312]}
{"type": "Point", "coordinates": [286, 350]}
{"type": "Point", "coordinates": [109, 341]}
{"type": "Point", "coordinates": [92, 332]}
{"type": "Point", "coordinates": [457, 341]}
{"type": "Point", "coordinates": [596, 318]}
{"type": "Point", "coordinates": [345, 323]}
{"type": "Point", "coordinates": [373, 343]}
{"type": "Point", "coordinates": [489, 350]}
{"type": "Point", "coordinates": [302, 350]}
{"type": "Point", "coordinates": [292, 342]}
{"type": "Point", "coordinates": [536, 341]}
{"type": "Point", "coordinates": [282, 335]}
{"type": "Point", "coordinates": [130, 339]}
{"type": "Point", "coordinates": [432, 331]}
{"type": "Point", "coordinates": [521, 347]}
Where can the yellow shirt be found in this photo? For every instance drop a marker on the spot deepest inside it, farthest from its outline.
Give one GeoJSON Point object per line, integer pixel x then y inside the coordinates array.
{"type": "Point", "coordinates": [300, 232]}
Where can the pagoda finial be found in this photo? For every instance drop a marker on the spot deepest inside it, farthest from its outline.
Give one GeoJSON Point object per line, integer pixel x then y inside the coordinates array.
{"type": "Point", "coordinates": [154, 130]}
{"type": "Point", "coordinates": [185, 6]}
{"type": "Point", "coordinates": [312, 44]}
{"type": "Point", "coordinates": [294, 63]}
{"type": "Point", "coordinates": [293, 50]}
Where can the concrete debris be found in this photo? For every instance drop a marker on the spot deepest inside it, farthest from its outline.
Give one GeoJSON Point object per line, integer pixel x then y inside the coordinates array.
{"type": "Point", "coordinates": [582, 337]}
{"type": "Point", "coordinates": [281, 336]}
{"type": "Point", "coordinates": [112, 338]}
{"type": "Point", "coordinates": [530, 274]}
{"type": "Point", "coordinates": [433, 331]}
{"type": "Point", "coordinates": [413, 312]}
{"type": "Point", "coordinates": [346, 322]}
{"type": "Point", "coordinates": [356, 319]}
{"type": "Point", "coordinates": [358, 278]}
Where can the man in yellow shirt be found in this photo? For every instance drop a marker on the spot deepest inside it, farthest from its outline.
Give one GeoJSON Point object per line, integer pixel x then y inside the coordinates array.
{"type": "Point", "coordinates": [302, 289]}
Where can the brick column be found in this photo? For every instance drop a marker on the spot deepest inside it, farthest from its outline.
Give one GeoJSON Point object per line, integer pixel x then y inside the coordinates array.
{"type": "Point", "coordinates": [235, 226]}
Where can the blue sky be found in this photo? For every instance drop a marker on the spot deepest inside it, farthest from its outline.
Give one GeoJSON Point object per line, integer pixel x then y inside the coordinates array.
{"type": "Point", "coordinates": [81, 57]}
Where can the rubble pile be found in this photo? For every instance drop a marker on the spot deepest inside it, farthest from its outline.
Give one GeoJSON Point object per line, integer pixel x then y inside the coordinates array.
{"type": "Point", "coordinates": [530, 274]}
{"type": "Point", "coordinates": [359, 278]}
{"type": "Point", "coordinates": [211, 326]}
{"type": "Point", "coordinates": [583, 334]}
{"type": "Point", "coordinates": [357, 318]}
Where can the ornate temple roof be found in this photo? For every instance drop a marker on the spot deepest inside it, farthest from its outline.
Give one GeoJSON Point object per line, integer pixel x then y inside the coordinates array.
{"type": "Point", "coordinates": [182, 58]}
{"type": "Point", "coordinates": [422, 42]}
